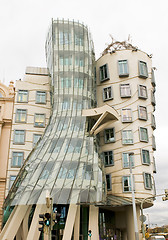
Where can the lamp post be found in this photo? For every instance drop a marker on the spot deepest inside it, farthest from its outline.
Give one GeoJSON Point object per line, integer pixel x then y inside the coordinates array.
{"type": "Point", "coordinates": [133, 199]}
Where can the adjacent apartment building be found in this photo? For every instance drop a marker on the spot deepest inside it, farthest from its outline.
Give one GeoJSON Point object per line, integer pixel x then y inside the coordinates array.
{"type": "Point", "coordinates": [102, 120]}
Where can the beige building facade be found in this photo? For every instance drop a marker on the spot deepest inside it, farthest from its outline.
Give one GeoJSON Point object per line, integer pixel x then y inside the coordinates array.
{"type": "Point", "coordinates": [6, 113]}
{"type": "Point", "coordinates": [30, 117]}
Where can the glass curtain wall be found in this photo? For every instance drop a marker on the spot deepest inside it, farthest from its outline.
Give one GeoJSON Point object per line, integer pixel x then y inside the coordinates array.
{"type": "Point", "coordinates": [65, 161]}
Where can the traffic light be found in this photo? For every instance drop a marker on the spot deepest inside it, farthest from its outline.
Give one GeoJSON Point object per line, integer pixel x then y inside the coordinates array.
{"type": "Point", "coordinates": [47, 220]}
{"type": "Point", "coordinates": [166, 195]}
{"type": "Point", "coordinates": [41, 222]}
{"type": "Point", "coordinates": [90, 233]}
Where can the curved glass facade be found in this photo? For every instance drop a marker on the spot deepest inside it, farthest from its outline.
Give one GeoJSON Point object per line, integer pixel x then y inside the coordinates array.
{"type": "Point", "coordinates": [65, 162]}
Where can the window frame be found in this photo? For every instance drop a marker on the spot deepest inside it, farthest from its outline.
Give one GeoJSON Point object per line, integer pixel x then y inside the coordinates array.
{"type": "Point", "coordinates": [105, 138]}
{"type": "Point", "coordinates": [125, 74]}
{"type": "Point", "coordinates": [124, 143]}
{"type": "Point", "coordinates": [108, 98]}
{"type": "Point", "coordinates": [108, 157]}
{"type": "Point", "coordinates": [125, 96]}
{"type": "Point", "coordinates": [40, 102]}
{"type": "Point", "coordinates": [36, 134]}
{"type": "Point", "coordinates": [139, 113]}
{"type": "Point", "coordinates": [140, 134]}
{"type": "Point", "coordinates": [17, 166]}
{"type": "Point", "coordinates": [128, 177]}
{"type": "Point", "coordinates": [42, 126]}
{"type": "Point", "coordinates": [142, 158]}
{"type": "Point", "coordinates": [10, 185]}
{"type": "Point", "coordinates": [139, 92]}
{"type": "Point", "coordinates": [26, 101]}
{"type": "Point", "coordinates": [17, 121]}
{"type": "Point", "coordinates": [129, 120]}
{"type": "Point", "coordinates": [110, 182]}
{"type": "Point", "coordinates": [127, 166]}
{"type": "Point", "coordinates": [101, 68]}
{"type": "Point", "coordinates": [19, 143]}
{"type": "Point", "coordinates": [153, 121]}
{"type": "Point", "coordinates": [145, 66]}
{"type": "Point", "coordinates": [145, 185]}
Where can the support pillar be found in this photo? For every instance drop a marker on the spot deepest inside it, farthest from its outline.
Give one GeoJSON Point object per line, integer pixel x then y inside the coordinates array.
{"type": "Point", "coordinates": [77, 224]}
{"type": "Point", "coordinates": [70, 222]}
{"type": "Point", "coordinates": [94, 222]}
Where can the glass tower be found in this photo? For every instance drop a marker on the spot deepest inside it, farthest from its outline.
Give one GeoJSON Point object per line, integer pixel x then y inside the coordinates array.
{"type": "Point", "coordinates": [66, 161]}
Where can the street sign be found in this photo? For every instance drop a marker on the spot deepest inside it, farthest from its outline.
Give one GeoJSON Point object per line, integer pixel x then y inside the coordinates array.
{"type": "Point", "coordinates": [142, 218]}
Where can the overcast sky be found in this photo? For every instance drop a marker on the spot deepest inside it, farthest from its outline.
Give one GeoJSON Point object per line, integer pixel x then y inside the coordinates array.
{"type": "Point", "coordinates": [23, 28]}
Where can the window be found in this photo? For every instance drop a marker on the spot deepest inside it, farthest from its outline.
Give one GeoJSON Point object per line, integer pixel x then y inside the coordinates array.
{"type": "Point", "coordinates": [108, 158]}
{"type": "Point", "coordinates": [143, 134]}
{"type": "Point", "coordinates": [39, 120]}
{"type": "Point", "coordinates": [79, 39]}
{"type": "Point", "coordinates": [127, 184]}
{"type": "Point", "coordinates": [40, 97]}
{"type": "Point", "coordinates": [19, 137]}
{"type": "Point", "coordinates": [126, 115]}
{"type": "Point", "coordinates": [123, 68]}
{"type": "Point", "coordinates": [142, 113]}
{"type": "Point", "coordinates": [142, 91]}
{"type": "Point", "coordinates": [78, 82]}
{"type": "Point", "coordinates": [21, 115]}
{"type": "Point", "coordinates": [107, 93]}
{"type": "Point", "coordinates": [79, 62]}
{"type": "Point", "coordinates": [64, 37]}
{"type": "Point", "coordinates": [153, 101]}
{"type": "Point", "coordinates": [109, 135]}
{"type": "Point", "coordinates": [154, 165]}
{"type": "Point", "coordinates": [153, 142]}
{"type": "Point", "coordinates": [147, 180]}
{"type": "Point", "coordinates": [153, 78]}
{"type": "Point", "coordinates": [36, 137]}
{"type": "Point", "coordinates": [153, 122]}
{"type": "Point", "coordinates": [145, 157]}
{"type": "Point", "coordinates": [108, 181]}
{"type": "Point", "coordinates": [125, 159]}
{"type": "Point", "coordinates": [104, 75]}
{"type": "Point", "coordinates": [11, 181]}
{"type": "Point", "coordinates": [65, 82]}
{"type": "Point", "coordinates": [22, 96]}
{"type": "Point", "coordinates": [127, 137]}
{"type": "Point", "coordinates": [66, 60]}
{"type": "Point", "coordinates": [17, 159]}
{"type": "Point", "coordinates": [125, 90]}
{"type": "Point", "coordinates": [143, 70]}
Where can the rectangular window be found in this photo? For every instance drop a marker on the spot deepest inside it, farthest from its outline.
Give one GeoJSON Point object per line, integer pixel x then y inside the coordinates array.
{"type": "Point", "coordinates": [21, 115]}
{"type": "Point", "coordinates": [142, 113]}
{"type": "Point", "coordinates": [66, 60]}
{"type": "Point", "coordinates": [145, 156]}
{"type": "Point", "coordinates": [64, 37]}
{"type": "Point", "coordinates": [125, 158]}
{"type": "Point", "coordinates": [39, 120]}
{"type": "Point", "coordinates": [153, 122]}
{"type": "Point", "coordinates": [143, 70]}
{"type": "Point", "coordinates": [22, 96]}
{"type": "Point", "coordinates": [153, 78]}
{"type": "Point", "coordinates": [154, 165]}
{"type": "Point", "coordinates": [143, 134]}
{"type": "Point", "coordinates": [40, 97]}
{"type": "Point", "coordinates": [142, 91]}
{"type": "Point", "coordinates": [126, 115]}
{"type": "Point", "coordinates": [107, 93]}
{"type": "Point", "coordinates": [108, 181]}
{"type": "Point", "coordinates": [65, 82]}
{"type": "Point", "coordinates": [79, 39]}
{"type": "Point", "coordinates": [17, 159]}
{"type": "Point", "coordinates": [153, 143]}
{"type": "Point", "coordinates": [123, 68]}
{"type": "Point", "coordinates": [108, 158]}
{"type": "Point", "coordinates": [148, 180]}
{"type": "Point", "coordinates": [104, 75]}
{"type": "Point", "coordinates": [109, 135]}
{"type": "Point", "coordinates": [78, 82]}
{"type": "Point", "coordinates": [11, 181]}
{"type": "Point", "coordinates": [127, 137]}
{"type": "Point", "coordinates": [125, 90]}
{"type": "Point", "coordinates": [36, 137]}
{"type": "Point", "coordinates": [153, 100]}
{"type": "Point", "coordinates": [79, 62]}
{"type": "Point", "coordinates": [19, 137]}
{"type": "Point", "coordinates": [127, 184]}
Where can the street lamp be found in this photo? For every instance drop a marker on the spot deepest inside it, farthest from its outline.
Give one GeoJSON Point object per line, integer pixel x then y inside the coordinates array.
{"type": "Point", "coordinates": [133, 199]}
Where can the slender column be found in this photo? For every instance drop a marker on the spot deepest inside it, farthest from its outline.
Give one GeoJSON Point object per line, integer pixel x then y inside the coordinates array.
{"type": "Point", "coordinates": [25, 223]}
{"type": "Point", "coordinates": [11, 227]}
{"type": "Point", "coordinates": [34, 233]}
{"type": "Point", "coordinates": [70, 222]}
{"type": "Point", "coordinates": [93, 222]}
{"type": "Point", "coordinates": [77, 224]}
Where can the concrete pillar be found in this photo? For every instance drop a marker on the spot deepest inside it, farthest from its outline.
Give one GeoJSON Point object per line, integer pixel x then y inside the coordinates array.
{"type": "Point", "coordinates": [94, 222]}
{"type": "Point", "coordinates": [34, 233]}
{"type": "Point", "coordinates": [77, 224]}
{"type": "Point", "coordinates": [70, 222]}
{"type": "Point", "coordinates": [13, 224]}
